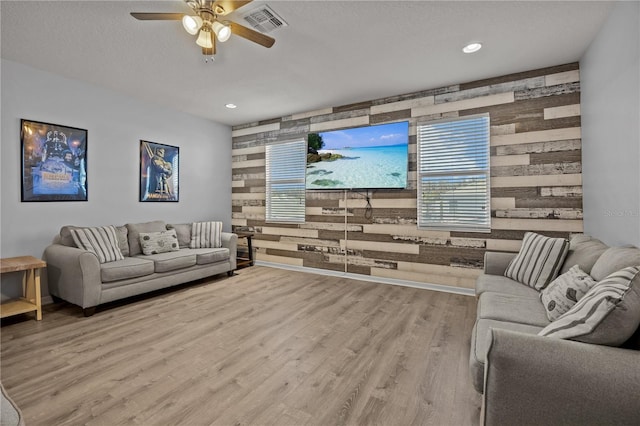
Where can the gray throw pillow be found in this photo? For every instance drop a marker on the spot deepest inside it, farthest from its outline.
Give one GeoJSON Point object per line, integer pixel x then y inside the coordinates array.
{"type": "Point", "coordinates": [538, 261]}
{"type": "Point", "coordinates": [565, 291]}
{"type": "Point", "coordinates": [608, 314]}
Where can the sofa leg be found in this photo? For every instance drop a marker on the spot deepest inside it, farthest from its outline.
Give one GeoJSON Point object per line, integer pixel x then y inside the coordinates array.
{"type": "Point", "coordinates": [89, 311]}
{"type": "Point", "coordinates": [230, 273]}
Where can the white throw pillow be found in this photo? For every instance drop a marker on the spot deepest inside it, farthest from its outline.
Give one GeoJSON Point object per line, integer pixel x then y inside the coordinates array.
{"type": "Point", "coordinates": [565, 291]}
{"type": "Point", "coordinates": [159, 242]}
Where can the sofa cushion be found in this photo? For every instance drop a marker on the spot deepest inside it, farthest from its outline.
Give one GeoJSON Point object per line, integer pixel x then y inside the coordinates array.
{"type": "Point", "coordinates": [608, 314]}
{"type": "Point", "coordinates": [129, 267]}
{"type": "Point", "coordinates": [615, 259]}
{"type": "Point", "coordinates": [165, 262]}
{"type": "Point", "coordinates": [480, 340]}
{"type": "Point", "coordinates": [496, 262]}
{"type": "Point", "coordinates": [499, 284]}
{"type": "Point", "coordinates": [101, 241]}
{"type": "Point", "coordinates": [65, 235]}
{"type": "Point", "coordinates": [123, 242]}
{"type": "Point", "coordinates": [518, 309]}
{"type": "Point", "coordinates": [211, 255]}
{"type": "Point", "coordinates": [159, 242]}
{"type": "Point", "coordinates": [206, 235]}
{"type": "Point", "coordinates": [584, 251]}
{"type": "Point", "coordinates": [183, 231]}
{"type": "Point", "coordinates": [134, 234]}
{"type": "Point", "coordinates": [565, 291]}
{"type": "Point", "coordinates": [538, 261]}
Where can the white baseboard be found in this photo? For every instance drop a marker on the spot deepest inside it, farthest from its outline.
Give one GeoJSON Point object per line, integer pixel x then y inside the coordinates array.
{"type": "Point", "coordinates": [360, 277]}
{"type": "Point", "coordinates": [46, 300]}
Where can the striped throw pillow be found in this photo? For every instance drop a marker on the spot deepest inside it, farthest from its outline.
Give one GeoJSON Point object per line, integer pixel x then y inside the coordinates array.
{"type": "Point", "coordinates": [101, 241]}
{"type": "Point", "coordinates": [611, 297]}
{"type": "Point", "coordinates": [539, 260]}
{"type": "Point", "coordinates": [206, 235]}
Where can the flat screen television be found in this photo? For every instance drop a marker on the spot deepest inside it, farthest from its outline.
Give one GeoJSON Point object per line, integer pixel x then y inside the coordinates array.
{"type": "Point", "coordinates": [369, 157]}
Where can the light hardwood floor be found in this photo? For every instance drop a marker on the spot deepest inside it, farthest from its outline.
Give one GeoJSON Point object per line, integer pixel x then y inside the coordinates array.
{"type": "Point", "coordinates": [265, 347]}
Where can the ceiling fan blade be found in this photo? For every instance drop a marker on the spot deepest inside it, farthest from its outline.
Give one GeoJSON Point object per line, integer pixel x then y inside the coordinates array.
{"type": "Point", "coordinates": [230, 5]}
{"type": "Point", "coordinates": [157, 16]}
{"type": "Point", "coordinates": [249, 34]}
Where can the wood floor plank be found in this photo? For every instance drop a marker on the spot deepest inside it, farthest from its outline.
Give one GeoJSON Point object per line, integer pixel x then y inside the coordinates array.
{"type": "Point", "coordinates": [264, 347]}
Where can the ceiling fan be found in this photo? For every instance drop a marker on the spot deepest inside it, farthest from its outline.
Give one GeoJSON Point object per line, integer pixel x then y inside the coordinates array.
{"type": "Point", "coordinates": [207, 21]}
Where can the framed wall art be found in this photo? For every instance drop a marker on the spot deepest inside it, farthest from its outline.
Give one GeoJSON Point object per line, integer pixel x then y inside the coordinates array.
{"type": "Point", "coordinates": [159, 172]}
{"type": "Point", "coordinates": [54, 162]}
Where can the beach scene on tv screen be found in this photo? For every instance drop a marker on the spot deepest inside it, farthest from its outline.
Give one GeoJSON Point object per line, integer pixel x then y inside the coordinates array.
{"type": "Point", "coordinates": [356, 158]}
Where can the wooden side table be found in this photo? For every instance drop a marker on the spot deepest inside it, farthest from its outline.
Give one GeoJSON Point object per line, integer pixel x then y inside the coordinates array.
{"type": "Point", "coordinates": [245, 260]}
{"type": "Point", "coordinates": [30, 286]}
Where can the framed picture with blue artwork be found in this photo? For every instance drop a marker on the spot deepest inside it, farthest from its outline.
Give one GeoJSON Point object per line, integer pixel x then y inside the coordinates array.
{"type": "Point", "coordinates": [54, 162]}
{"type": "Point", "coordinates": [159, 172]}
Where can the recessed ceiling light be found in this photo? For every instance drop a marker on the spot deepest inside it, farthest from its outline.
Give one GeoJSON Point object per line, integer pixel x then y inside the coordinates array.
{"type": "Point", "coordinates": [472, 47]}
{"type": "Point", "coordinates": [231, 106]}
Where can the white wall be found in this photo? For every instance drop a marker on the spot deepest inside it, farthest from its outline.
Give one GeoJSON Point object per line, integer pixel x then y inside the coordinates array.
{"type": "Point", "coordinates": [610, 84]}
{"type": "Point", "coordinates": [115, 125]}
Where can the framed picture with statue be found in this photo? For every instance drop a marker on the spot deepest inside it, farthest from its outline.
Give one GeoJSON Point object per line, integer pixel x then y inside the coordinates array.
{"type": "Point", "coordinates": [159, 172]}
{"type": "Point", "coordinates": [54, 162]}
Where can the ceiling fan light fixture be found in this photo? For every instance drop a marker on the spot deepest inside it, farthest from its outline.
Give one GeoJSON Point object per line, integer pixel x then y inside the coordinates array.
{"type": "Point", "coordinates": [191, 24]}
{"type": "Point", "coordinates": [204, 38]}
{"type": "Point", "coordinates": [223, 31]}
{"type": "Point", "coordinates": [207, 23]}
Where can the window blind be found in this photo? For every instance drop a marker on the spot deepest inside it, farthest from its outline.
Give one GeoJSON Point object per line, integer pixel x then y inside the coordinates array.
{"type": "Point", "coordinates": [285, 181]}
{"type": "Point", "coordinates": [453, 174]}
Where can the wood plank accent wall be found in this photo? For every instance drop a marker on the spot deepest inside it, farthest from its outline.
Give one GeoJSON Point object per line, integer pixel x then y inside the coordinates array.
{"type": "Point", "coordinates": [536, 181]}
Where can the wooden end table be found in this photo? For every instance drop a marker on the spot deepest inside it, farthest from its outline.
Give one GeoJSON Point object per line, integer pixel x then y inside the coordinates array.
{"type": "Point", "coordinates": [243, 261]}
{"type": "Point", "coordinates": [30, 301]}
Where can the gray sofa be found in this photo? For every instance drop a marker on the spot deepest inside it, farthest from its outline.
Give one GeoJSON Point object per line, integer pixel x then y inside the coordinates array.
{"type": "Point", "coordinates": [10, 414]}
{"type": "Point", "coordinates": [76, 275]}
{"type": "Point", "coordinates": [530, 379]}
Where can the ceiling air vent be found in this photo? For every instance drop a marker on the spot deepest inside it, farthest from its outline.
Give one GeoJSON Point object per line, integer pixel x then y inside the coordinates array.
{"type": "Point", "coordinates": [264, 19]}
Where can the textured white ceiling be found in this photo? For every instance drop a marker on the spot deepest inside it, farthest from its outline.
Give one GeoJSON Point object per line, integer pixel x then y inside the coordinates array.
{"type": "Point", "coordinates": [332, 53]}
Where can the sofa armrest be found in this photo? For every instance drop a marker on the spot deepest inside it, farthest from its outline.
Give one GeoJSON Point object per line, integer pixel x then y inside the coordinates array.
{"type": "Point", "coordinates": [495, 263]}
{"type": "Point", "coordinates": [230, 241]}
{"type": "Point", "coordinates": [531, 379]}
{"type": "Point", "coordinates": [73, 275]}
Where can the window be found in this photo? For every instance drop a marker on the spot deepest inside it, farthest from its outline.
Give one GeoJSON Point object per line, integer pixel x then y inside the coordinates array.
{"type": "Point", "coordinates": [285, 181]}
{"type": "Point", "coordinates": [453, 174]}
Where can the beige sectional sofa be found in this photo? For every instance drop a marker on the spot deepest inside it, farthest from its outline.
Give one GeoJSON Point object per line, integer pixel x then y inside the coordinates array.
{"type": "Point", "coordinates": [531, 379]}
{"type": "Point", "coordinates": [77, 276]}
